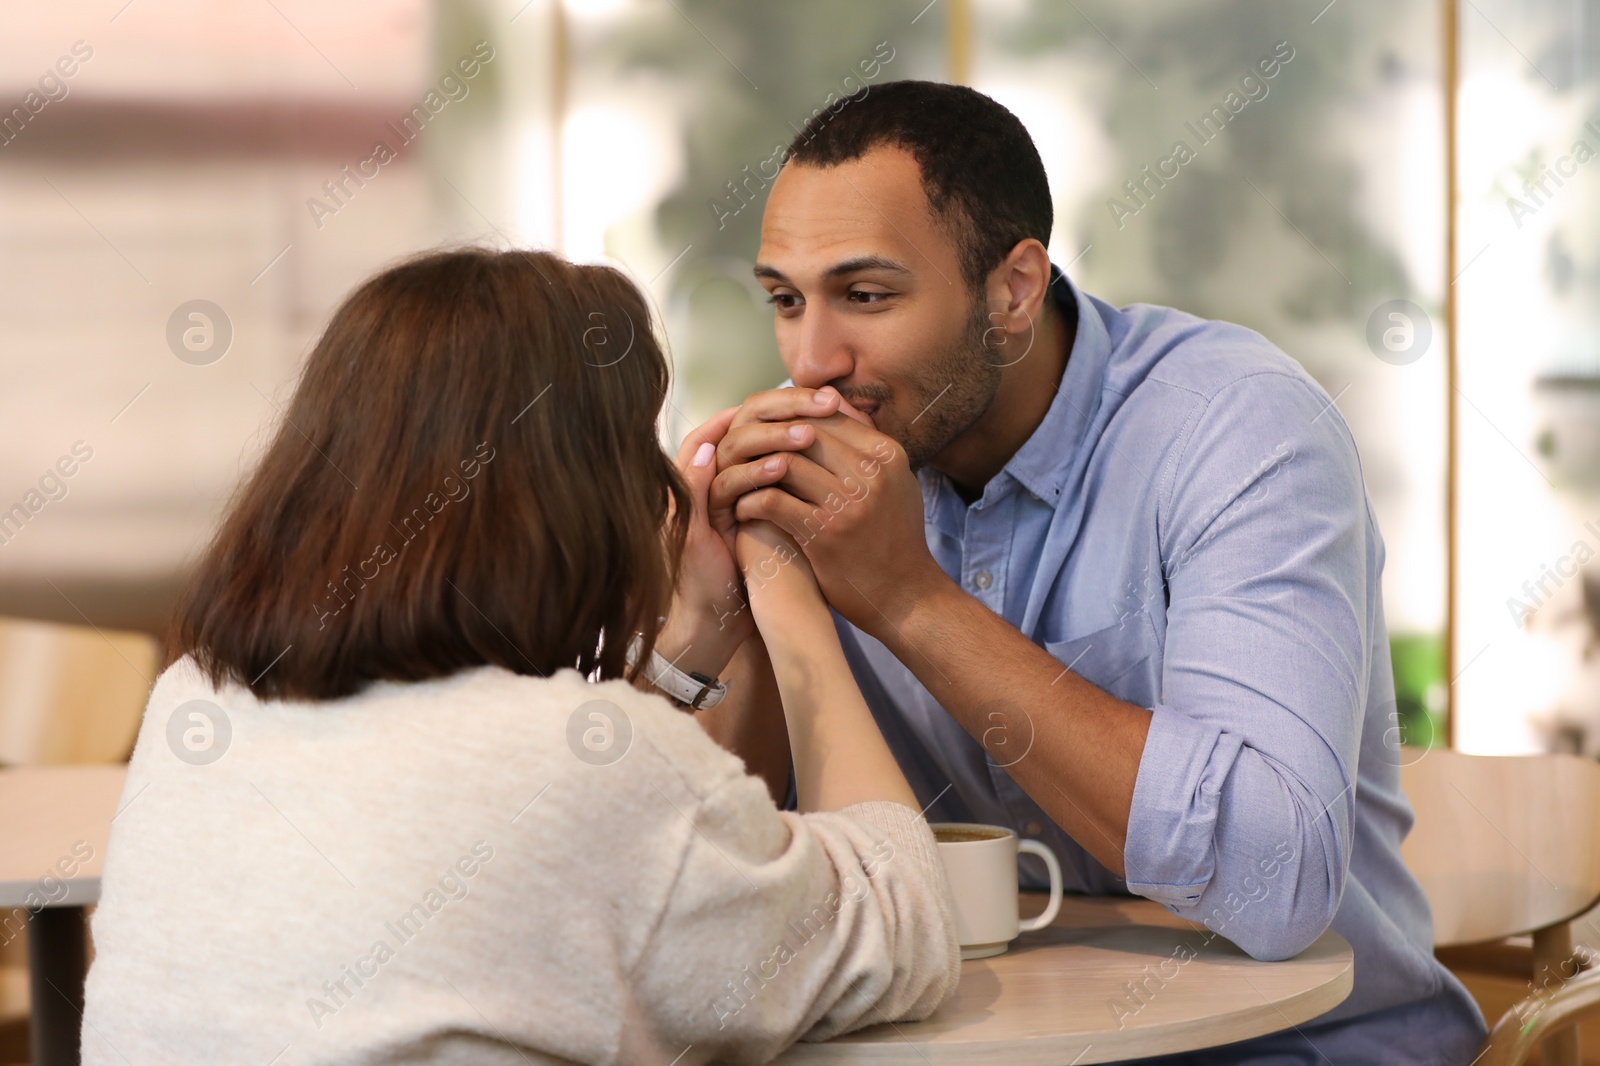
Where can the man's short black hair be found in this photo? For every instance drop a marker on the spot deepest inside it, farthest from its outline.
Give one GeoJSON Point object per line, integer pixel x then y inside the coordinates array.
{"type": "Point", "coordinates": [981, 172]}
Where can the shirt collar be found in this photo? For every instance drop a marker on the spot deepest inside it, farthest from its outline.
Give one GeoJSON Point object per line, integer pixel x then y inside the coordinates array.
{"type": "Point", "coordinates": [1046, 458]}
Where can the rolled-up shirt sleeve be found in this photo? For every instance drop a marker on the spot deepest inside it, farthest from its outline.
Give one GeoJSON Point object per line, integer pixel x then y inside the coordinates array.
{"type": "Point", "coordinates": [1242, 810]}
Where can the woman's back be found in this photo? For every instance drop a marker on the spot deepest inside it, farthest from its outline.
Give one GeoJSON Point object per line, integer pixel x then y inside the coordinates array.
{"type": "Point", "coordinates": [490, 867]}
{"type": "Point", "coordinates": [378, 812]}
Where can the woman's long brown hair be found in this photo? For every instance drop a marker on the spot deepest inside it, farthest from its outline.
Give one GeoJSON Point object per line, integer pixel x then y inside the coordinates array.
{"type": "Point", "coordinates": [468, 474]}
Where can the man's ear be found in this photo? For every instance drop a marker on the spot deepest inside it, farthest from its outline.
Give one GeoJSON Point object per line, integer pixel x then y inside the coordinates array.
{"type": "Point", "coordinates": [1017, 290]}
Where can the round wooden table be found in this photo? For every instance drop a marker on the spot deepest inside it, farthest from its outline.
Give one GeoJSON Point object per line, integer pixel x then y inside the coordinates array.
{"type": "Point", "coordinates": [1111, 978]}
{"type": "Point", "coordinates": [54, 821]}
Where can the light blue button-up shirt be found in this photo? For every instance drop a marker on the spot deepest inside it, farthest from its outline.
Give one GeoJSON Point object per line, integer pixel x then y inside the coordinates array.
{"type": "Point", "coordinates": [1188, 530]}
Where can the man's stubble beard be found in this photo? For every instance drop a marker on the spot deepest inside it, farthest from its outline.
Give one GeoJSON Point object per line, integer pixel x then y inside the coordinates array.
{"type": "Point", "coordinates": [958, 387]}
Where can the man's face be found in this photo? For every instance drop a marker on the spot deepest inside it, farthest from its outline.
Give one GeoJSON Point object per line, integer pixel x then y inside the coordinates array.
{"type": "Point", "coordinates": [870, 299]}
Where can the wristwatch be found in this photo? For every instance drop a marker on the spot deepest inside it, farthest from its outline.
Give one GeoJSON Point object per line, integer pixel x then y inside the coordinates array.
{"type": "Point", "coordinates": [692, 689]}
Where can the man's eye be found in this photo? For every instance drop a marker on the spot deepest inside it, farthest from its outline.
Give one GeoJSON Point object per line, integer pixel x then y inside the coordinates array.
{"type": "Point", "coordinates": [861, 296]}
{"type": "Point", "coordinates": [782, 300]}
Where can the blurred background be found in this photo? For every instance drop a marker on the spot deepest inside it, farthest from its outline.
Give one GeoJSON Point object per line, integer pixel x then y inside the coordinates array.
{"type": "Point", "coordinates": [188, 188]}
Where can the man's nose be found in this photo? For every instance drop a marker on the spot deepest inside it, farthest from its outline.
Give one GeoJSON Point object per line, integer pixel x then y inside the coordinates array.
{"type": "Point", "coordinates": [822, 354]}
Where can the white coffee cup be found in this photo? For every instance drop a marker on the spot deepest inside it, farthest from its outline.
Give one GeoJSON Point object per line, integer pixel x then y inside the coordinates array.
{"type": "Point", "coordinates": [981, 864]}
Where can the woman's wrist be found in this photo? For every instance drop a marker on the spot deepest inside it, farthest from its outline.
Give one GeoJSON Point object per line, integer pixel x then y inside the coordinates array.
{"type": "Point", "coordinates": [782, 610]}
{"type": "Point", "coordinates": [799, 634]}
{"type": "Point", "coordinates": [701, 640]}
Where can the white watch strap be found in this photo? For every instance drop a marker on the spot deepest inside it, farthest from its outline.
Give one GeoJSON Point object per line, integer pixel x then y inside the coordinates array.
{"type": "Point", "coordinates": [693, 690]}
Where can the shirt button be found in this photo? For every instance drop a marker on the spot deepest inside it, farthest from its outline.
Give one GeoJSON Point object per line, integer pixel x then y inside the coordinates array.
{"type": "Point", "coordinates": [1032, 829]}
{"type": "Point", "coordinates": [983, 579]}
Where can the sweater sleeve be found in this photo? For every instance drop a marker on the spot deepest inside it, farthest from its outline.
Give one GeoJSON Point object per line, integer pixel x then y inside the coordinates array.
{"type": "Point", "coordinates": [783, 927]}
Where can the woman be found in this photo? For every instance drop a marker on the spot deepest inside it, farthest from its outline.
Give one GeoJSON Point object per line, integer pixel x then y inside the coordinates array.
{"type": "Point", "coordinates": [401, 798]}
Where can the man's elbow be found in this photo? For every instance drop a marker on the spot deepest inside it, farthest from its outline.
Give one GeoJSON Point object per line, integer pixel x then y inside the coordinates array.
{"type": "Point", "coordinates": [1273, 934]}
{"type": "Point", "coordinates": [1282, 916]}
{"type": "Point", "coordinates": [1279, 943]}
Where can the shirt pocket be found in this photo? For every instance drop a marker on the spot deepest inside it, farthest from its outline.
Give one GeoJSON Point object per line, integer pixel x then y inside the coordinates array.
{"type": "Point", "coordinates": [1121, 659]}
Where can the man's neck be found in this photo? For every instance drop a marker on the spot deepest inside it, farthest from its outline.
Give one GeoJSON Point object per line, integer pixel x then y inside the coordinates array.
{"type": "Point", "coordinates": [1026, 391]}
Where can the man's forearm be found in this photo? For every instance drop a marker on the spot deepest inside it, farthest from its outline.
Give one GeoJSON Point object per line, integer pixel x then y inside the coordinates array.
{"type": "Point", "coordinates": [1085, 743]}
{"type": "Point", "coordinates": [749, 720]}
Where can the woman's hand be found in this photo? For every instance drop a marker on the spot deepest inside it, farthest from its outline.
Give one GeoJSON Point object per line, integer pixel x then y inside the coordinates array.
{"type": "Point", "coordinates": [709, 617]}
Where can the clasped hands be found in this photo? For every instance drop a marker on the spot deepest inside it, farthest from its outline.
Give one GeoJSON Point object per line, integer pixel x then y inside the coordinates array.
{"type": "Point", "coordinates": [797, 493]}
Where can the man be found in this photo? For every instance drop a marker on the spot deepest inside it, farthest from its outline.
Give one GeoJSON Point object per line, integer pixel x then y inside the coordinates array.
{"type": "Point", "coordinates": [1122, 593]}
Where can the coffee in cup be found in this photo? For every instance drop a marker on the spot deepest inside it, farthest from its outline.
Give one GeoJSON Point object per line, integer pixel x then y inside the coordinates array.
{"type": "Point", "coordinates": [981, 863]}
{"type": "Point", "coordinates": [951, 834]}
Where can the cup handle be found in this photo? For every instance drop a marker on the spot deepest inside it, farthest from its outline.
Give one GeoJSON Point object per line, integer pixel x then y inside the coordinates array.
{"type": "Point", "coordinates": [1053, 908]}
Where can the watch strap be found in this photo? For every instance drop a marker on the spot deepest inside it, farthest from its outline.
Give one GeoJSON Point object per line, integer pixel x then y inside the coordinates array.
{"type": "Point", "coordinates": [691, 688]}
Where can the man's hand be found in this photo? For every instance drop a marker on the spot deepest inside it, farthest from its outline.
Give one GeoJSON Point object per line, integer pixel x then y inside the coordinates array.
{"type": "Point", "coordinates": [752, 445]}
{"type": "Point", "coordinates": [847, 497]}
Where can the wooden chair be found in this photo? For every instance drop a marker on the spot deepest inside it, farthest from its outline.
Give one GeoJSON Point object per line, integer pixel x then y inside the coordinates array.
{"type": "Point", "coordinates": [71, 694]}
{"type": "Point", "coordinates": [68, 694]}
{"type": "Point", "coordinates": [1507, 847]}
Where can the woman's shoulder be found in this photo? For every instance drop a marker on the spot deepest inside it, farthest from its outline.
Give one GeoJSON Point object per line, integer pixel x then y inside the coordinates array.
{"type": "Point", "coordinates": [642, 751]}
{"type": "Point", "coordinates": [591, 723]}
{"type": "Point", "coordinates": [181, 679]}
{"type": "Point", "coordinates": [566, 717]}
{"type": "Point", "coordinates": [617, 721]}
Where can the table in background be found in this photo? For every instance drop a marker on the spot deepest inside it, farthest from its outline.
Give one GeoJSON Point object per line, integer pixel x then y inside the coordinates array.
{"type": "Point", "coordinates": [52, 815]}
{"type": "Point", "coordinates": [1100, 984]}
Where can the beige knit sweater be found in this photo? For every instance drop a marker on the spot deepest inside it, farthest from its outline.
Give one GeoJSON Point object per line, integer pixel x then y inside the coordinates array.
{"type": "Point", "coordinates": [488, 869]}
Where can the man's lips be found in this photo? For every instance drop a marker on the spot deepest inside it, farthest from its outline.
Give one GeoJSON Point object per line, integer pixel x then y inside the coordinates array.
{"type": "Point", "coordinates": [870, 410]}
{"type": "Point", "coordinates": [853, 410]}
